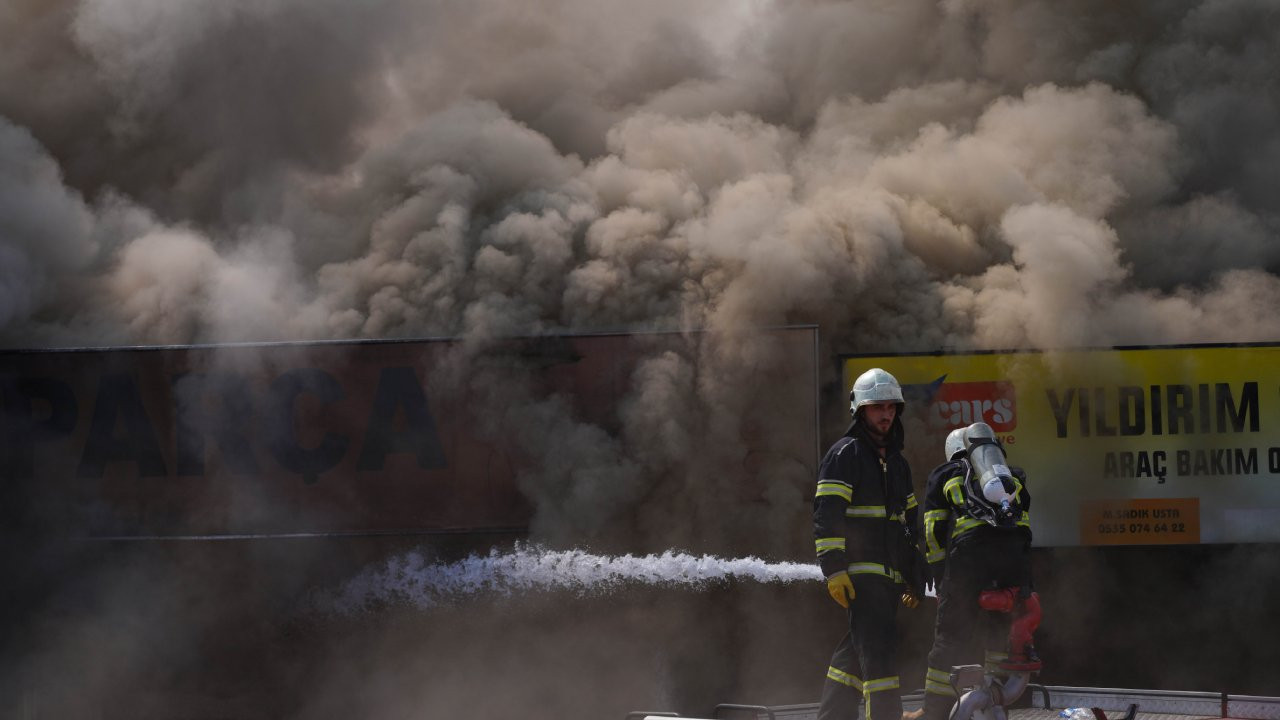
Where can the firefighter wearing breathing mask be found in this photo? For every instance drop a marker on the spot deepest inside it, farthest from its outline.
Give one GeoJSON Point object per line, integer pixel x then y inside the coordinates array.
{"type": "Point", "coordinates": [978, 540]}
{"type": "Point", "coordinates": [864, 522]}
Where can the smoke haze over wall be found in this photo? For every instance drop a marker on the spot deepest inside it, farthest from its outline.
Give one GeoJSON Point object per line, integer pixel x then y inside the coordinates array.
{"type": "Point", "coordinates": [908, 176]}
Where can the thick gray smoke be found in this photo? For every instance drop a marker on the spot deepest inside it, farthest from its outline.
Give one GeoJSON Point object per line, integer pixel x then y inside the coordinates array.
{"type": "Point", "coordinates": [908, 176]}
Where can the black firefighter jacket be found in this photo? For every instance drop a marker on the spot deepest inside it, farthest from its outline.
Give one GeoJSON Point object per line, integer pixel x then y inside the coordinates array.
{"type": "Point", "coordinates": [864, 505]}
{"type": "Point", "coordinates": [947, 523]}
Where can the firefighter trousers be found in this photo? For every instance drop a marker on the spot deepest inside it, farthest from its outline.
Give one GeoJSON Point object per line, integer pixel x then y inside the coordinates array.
{"type": "Point", "coordinates": [964, 633]}
{"type": "Point", "coordinates": [864, 667]}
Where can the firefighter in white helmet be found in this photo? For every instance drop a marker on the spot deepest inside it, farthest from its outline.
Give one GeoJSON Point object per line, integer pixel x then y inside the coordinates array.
{"type": "Point", "coordinates": [864, 518]}
{"type": "Point", "coordinates": [978, 538]}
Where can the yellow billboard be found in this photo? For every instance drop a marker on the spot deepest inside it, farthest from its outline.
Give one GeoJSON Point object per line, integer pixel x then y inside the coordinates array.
{"type": "Point", "coordinates": [1160, 445]}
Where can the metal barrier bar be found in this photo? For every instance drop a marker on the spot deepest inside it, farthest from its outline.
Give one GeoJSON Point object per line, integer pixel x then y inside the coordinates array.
{"type": "Point", "coordinates": [753, 709]}
{"type": "Point", "coordinates": [1043, 691]}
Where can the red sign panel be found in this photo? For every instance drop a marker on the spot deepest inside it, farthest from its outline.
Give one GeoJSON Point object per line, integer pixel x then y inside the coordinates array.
{"type": "Point", "coordinates": [957, 404]}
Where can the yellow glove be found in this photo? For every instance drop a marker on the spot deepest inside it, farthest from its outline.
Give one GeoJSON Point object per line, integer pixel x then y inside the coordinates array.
{"type": "Point", "coordinates": [841, 588]}
{"type": "Point", "coordinates": [910, 601]}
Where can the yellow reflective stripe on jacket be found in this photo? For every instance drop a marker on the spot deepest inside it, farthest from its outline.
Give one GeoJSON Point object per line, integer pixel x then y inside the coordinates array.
{"type": "Point", "coordinates": [843, 678]}
{"type": "Point", "coordinates": [911, 501]}
{"type": "Point", "coordinates": [880, 684]}
{"type": "Point", "coordinates": [835, 488]}
{"type": "Point", "coordinates": [865, 511]}
{"type": "Point", "coordinates": [965, 524]}
{"type": "Point", "coordinates": [938, 682]}
{"type": "Point", "coordinates": [933, 551]}
{"type": "Point", "coordinates": [953, 492]}
{"type": "Point", "coordinates": [829, 544]}
{"type": "Point", "coordinates": [875, 569]}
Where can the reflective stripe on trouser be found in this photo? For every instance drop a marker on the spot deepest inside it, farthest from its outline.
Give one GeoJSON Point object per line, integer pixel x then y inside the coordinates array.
{"type": "Point", "coordinates": [964, 631]}
{"type": "Point", "coordinates": [864, 667]}
{"type": "Point", "coordinates": [837, 675]}
{"type": "Point", "coordinates": [938, 682]}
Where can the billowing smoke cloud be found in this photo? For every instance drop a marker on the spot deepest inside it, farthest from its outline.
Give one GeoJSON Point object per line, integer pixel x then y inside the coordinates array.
{"type": "Point", "coordinates": [46, 227]}
{"type": "Point", "coordinates": [907, 176]}
{"type": "Point", "coordinates": [604, 166]}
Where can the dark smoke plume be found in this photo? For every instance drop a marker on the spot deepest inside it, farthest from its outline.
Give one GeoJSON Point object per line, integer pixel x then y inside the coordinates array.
{"type": "Point", "coordinates": [1010, 174]}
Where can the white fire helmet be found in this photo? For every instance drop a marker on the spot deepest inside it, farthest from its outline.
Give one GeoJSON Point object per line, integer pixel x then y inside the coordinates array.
{"type": "Point", "coordinates": [874, 386]}
{"type": "Point", "coordinates": [954, 446]}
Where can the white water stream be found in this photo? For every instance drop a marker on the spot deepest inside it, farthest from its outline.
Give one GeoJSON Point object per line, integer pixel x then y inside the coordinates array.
{"type": "Point", "coordinates": [409, 579]}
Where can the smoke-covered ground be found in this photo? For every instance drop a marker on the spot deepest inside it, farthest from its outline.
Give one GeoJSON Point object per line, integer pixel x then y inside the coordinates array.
{"type": "Point", "coordinates": [907, 176]}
